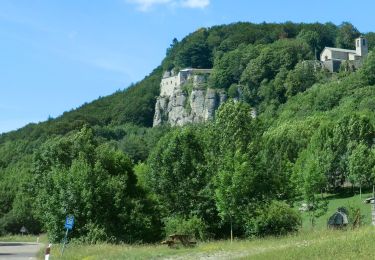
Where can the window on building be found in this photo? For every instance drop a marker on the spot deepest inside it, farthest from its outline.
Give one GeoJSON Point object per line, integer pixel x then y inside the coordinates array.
{"type": "Point", "coordinates": [357, 43]}
{"type": "Point", "coordinates": [364, 42]}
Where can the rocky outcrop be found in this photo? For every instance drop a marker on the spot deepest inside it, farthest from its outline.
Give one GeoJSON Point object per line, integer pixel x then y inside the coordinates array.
{"type": "Point", "coordinates": [184, 98]}
{"type": "Point", "coordinates": [181, 108]}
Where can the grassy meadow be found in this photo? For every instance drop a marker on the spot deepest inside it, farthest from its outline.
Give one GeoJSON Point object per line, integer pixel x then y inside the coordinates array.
{"type": "Point", "coordinates": [344, 199]}
{"type": "Point", "coordinates": [321, 244]}
{"type": "Point", "coordinates": [317, 243]}
{"type": "Point", "coordinates": [24, 238]}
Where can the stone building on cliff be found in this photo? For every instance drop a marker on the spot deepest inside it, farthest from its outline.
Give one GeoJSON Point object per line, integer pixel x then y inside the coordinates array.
{"type": "Point", "coordinates": [185, 98]}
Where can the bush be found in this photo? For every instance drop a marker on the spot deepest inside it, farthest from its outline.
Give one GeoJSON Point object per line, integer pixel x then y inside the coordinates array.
{"type": "Point", "coordinates": [368, 69]}
{"type": "Point", "coordinates": [193, 227]}
{"type": "Point", "coordinates": [233, 91]}
{"type": "Point", "coordinates": [277, 219]}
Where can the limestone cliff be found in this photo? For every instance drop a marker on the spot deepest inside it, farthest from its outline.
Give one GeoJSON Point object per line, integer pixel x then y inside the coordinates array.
{"type": "Point", "coordinates": [179, 105]}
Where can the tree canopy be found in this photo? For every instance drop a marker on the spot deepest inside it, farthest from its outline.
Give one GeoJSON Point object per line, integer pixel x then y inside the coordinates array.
{"type": "Point", "coordinates": [127, 182]}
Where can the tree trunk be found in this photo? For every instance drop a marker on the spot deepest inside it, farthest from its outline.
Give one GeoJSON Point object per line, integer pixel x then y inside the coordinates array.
{"type": "Point", "coordinates": [231, 230]}
{"type": "Point", "coordinates": [313, 219]}
{"type": "Point", "coordinates": [360, 191]}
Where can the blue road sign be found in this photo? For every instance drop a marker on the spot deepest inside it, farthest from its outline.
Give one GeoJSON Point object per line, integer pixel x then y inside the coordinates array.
{"type": "Point", "coordinates": [69, 222]}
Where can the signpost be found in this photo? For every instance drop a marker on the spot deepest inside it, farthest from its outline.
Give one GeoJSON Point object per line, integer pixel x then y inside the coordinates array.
{"type": "Point", "coordinates": [23, 230]}
{"type": "Point", "coordinates": [69, 223]}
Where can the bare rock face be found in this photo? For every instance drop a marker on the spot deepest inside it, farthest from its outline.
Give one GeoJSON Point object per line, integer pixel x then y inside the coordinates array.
{"type": "Point", "coordinates": [197, 104]}
{"type": "Point", "coordinates": [211, 104]}
{"type": "Point", "coordinates": [184, 98]}
{"type": "Point", "coordinates": [181, 108]}
{"type": "Point", "coordinates": [176, 114]}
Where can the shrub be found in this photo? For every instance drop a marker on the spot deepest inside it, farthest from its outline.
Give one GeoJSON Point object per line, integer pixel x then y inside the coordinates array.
{"type": "Point", "coordinates": [193, 227]}
{"type": "Point", "coordinates": [276, 219]}
{"type": "Point", "coordinates": [233, 91]}
{"type": "Point", "coordinates": [368, 69]}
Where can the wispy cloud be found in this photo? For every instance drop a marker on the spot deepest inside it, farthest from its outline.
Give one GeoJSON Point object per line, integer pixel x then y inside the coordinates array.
{"type": "Point", "coordinates": [195, 3]}
{"type": "Point", "coordinates": [147, 5]}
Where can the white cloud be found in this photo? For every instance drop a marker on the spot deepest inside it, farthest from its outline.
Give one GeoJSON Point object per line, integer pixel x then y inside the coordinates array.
{"type": "Point", "coordinates": [147, 5]}
{"type": "Point", "coordinates": [195, 3]}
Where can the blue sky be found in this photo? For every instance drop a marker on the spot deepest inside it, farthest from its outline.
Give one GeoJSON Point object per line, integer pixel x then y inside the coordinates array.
{"type": "Point", "coordinates": [56, 55]}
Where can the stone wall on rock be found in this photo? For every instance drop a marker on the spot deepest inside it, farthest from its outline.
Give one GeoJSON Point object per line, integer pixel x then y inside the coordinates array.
{"type": "Point", "coordinates": [184, 104]}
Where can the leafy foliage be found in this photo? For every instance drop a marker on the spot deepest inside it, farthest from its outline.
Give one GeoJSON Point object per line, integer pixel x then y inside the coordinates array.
{"type": "Point", "coordinates": [277, 219]}
{"type": "Point", "coordinates": [360, 164]}
{"type": "Point", "coordinates": [346, 35]}
{"type": "Point", "coordinates": [177, 173]}
{"type": "Point", "coordinates": [95, 183]}
{"type": "Point", "coordinates": [314, 132]}
{"type": "Point", "coordinates": [193, 226]}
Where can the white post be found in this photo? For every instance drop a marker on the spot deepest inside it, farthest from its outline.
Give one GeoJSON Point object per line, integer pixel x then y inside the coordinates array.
{"type": "Point", "coordinates": [48, 252]}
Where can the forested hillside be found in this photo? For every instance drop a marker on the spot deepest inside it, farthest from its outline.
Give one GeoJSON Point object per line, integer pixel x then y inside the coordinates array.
{"type": "Point", "coordinates": [127, 182]}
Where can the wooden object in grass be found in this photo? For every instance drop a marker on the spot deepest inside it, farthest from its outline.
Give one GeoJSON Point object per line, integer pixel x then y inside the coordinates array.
{"type": "Point", "coordinates": [179, 239]}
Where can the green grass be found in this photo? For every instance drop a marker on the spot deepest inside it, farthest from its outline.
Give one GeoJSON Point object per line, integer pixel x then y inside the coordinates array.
{"type": "Point", "coordinates": [353, 244]}
{"type": "Point", "coordinates": [24, 238]}
{"type": "Point", "coordinates": [321, 244]}
{"type": "Point", "coordinates": [344, 199]}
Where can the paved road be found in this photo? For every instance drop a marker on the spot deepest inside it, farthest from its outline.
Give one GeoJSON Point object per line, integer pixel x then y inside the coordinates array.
{"type": "Point", "coordinates": [18, 250]}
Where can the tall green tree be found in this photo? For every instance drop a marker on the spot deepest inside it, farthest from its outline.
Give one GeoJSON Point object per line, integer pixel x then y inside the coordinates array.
{"type": "Point", "coordinates": [346, 35]}
{"type": "Point", "coordinates": [368, 69]}
{"type": "Point", "coordinates": [311, 172]}
{"type": "Point", "coordinates": [194, 51]}
{"type": "Point", "coordinates": [238, 186]}
{"type": "Point", "coordinates": [361, 163]}
{"type": "Point", "coordinates": [300, 78]}
{"type": "Point", "coordinates": [311, 38]}
{"type": "Point", "coordinates": [178, 175]}
{"type": "Point", "coordinates": [95, 183]}
{"type": "Point", "coordinates": [229, 66]}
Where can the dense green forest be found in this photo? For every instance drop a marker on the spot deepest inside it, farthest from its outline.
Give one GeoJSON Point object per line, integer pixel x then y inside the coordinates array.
{"type": "Point", "coordinates": [125, 181]}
